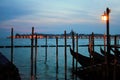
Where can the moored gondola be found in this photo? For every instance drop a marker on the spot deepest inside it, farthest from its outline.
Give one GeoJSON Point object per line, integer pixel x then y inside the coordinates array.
{"type": "Point", "coordinates": [105, 53]}
{"type": "Point", "coordinates": [114, 56]}
{"type": "Point", "coordinates": [8, 71]}
{"type": "Point", "coordinates": [87, 61]}
{"type": "Point", "coordinates": [115, 51]}
{"type": "Point", "coordinates": [96, 71]}
{"type": "Point", "coordinates": [96, 56]}
{"type": "Point", "coordinates": [83, 60]}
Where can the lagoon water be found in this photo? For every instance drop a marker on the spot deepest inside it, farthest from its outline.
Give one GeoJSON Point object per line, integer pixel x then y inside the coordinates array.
{"type": "Point", "coordinates": [45, 71]}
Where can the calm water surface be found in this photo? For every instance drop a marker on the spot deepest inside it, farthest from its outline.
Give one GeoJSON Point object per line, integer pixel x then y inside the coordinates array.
{"type": "Point", "coordinates": [44, 71]}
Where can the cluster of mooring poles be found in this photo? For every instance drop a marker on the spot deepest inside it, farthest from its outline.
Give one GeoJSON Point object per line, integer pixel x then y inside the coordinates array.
{"type": "Point", "coordinates": [33, 58]}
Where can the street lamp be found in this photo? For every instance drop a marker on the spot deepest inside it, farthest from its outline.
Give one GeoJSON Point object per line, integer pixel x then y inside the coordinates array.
{"type": "Point", "coordinates": [105, 17]}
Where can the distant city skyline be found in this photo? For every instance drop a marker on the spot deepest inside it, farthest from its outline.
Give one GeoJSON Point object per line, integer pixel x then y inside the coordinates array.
{"type": "Point", "coordinates": [55, 16]}
{"type": "Point", "coordinates": [68, 35]}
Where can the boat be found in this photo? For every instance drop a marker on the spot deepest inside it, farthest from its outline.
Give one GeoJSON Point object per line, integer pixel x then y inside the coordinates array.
{"type": "Point", "coordinates": [97, 71]}
{"type": "Point", "coordinates": [115, 51]}
{"type": "Point", "coordinates": [87, 61]}
{"type": "Point", "coordinates": [83, 60]}
{"type": "Point", "coordinates": [110, 54]}
{"type": "Point", "coordinates": [96, 56]}
{"type": "Point", "coordinates": [8, 71]}
{"type": "Point", "coordinates": [112, 57]}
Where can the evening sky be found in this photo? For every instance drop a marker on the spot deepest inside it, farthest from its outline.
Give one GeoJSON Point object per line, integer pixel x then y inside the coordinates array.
{"type": "Point", "coordinates": [55, 16]}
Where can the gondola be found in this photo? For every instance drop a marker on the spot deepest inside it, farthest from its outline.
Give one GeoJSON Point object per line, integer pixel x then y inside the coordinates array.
{"type": "Point", "coordinates": [111, 56]}
{"type": "Point", "coordinates": [115, 51]}
{"type": "Point", "coordinates": [83, 60]}
{"type": "Point", "coordinates": [87, 61]}
{"type": "Point", "coordinates": [97, 56]}
{"type": "Point", "coordinates": [96, 71]}
{"type": "Point", "coordinates": [103, 52]}
{"type": "Point", "coordinates": [8, 71]}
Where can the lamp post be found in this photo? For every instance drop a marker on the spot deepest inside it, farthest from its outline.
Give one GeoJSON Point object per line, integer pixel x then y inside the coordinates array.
{"type": "Point", "coordinates": [105, 17]}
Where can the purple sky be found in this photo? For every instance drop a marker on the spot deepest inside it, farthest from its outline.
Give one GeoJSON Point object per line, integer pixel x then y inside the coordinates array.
{"type": "Point", "coordinates": [55, 16]}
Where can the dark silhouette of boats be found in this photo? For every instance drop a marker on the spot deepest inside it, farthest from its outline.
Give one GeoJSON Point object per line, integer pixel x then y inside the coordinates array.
{"type": "Point", "coordinates": [115, 55]}
{"type": "Point", "coordinates": [98, 70]}
{"type": "Point", "coordinates": [96, 56]}
{"type": "Point", "coordinates": [8, 70]}
{"type": "Point", "coordinates": [111, 56]}
{"type": "Point", "coordinates": [83, 60]}
{"type": "Point", "coordinates": [115, 51]}
{"type": "Point", "coordinates": [87, 61]}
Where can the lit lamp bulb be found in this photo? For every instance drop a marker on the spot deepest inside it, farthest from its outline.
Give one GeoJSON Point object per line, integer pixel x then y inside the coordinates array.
{"type": "Point", "coordinates": [104, 17]}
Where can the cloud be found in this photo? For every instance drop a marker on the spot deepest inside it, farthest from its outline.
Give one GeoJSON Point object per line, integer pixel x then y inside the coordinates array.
{"type": "Point", "coordinates": [53, 14]}
{"type": "Point", "coordinates": [12, 9]}
{"type": "Point", "coordinates": [50, 17]}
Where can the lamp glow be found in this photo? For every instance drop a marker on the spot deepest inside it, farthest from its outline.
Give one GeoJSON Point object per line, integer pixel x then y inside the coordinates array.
{"type": "Point", "coordinates": [104, 17]}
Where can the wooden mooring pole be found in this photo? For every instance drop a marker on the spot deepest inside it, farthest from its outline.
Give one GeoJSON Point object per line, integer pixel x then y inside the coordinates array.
{"type": "Point", "coordinates": [56, 54]}
{"type": "Point", "coordinates": [46, 49]}
{"type": "Point", "coordinates": [91, 50]}
{"type": "Point", "coordinates": [92, 47]}
{"type": "Point", "coordinates": [36, 56]}
{"type": "Point", "coordinates": [77, 55]}
{"type": "Point", "coordinates": [73, 46]}
{"type": "Point", "coordinates": [115, 57]}
{"type": "Point", "coordinates": [32, 43]}
{"type": "Point", "coordinates": [106, 58]}
{"type": "Point", "coordinates": [104, 37]}
{"type": "Point", "coordinates": [92, 38]}
{"type": "Point", "coordinates": [76, 51]}
{"type": "Point", "coordinates": [12, 45]}
{"type": "Point", "coordinates": [65, 51]}
{"type": "Point", "coordinates": [56, 58]}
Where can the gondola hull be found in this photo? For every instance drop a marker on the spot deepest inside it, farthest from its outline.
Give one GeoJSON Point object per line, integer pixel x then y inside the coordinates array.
{"type": "Point", "coordinates": [8, 71]}
{"type": "Point", "coordinates": [87, 61]}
